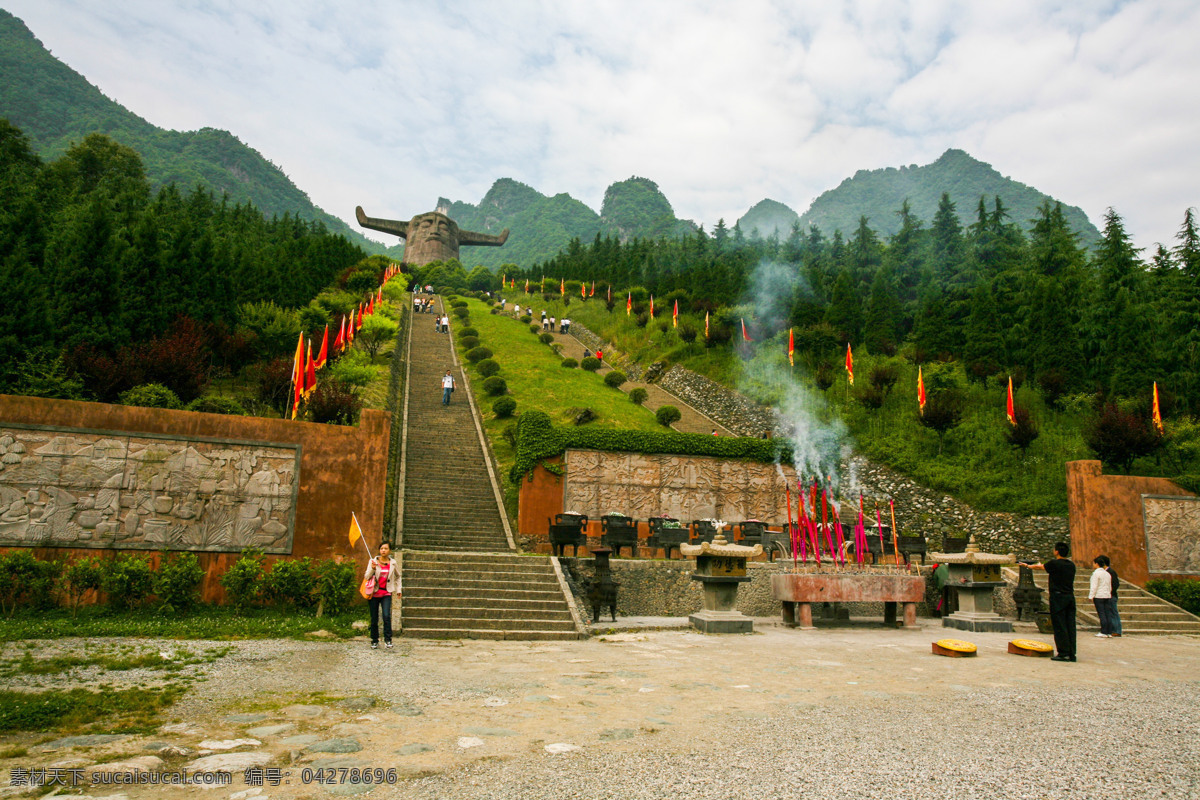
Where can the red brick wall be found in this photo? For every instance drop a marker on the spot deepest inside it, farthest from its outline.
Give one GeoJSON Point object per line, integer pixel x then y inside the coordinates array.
{"type": "Point", "coordinates": [1106, 517]}
{"type": "Point", "coordinates": [342, 469]}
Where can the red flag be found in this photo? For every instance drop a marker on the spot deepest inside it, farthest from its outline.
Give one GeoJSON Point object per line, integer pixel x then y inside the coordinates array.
{"type": "Point", "coordinates": [849, 364]}
{"type": "Point", "coordinates": [1156, 413]}
{"type": "Point", "coordinates": [920, 392]}
{"type": "Point", "coordinates": [358, 323]}
{"type": "Point", "coordinates": [705, 324]}
{"type": "Point", "coordinates": [791, 347]}
{"type": "Point", "coordinates": [629, 304]}
{"type": "Point", "coordinates": [562, 286]}
{"type": "Point", "coordinates": [339, 343]}
{"type": "Point", "coordinates": [298, 376]}
{"type": "Point", "coordinates": [1010, 410]}
{"type": "Point", "coordinates": [592, 293]}
{"type": "Point", "coordinates": [323, 356]}
{"type": "Point", "coordinates": [583, 291]}
{"type": "Point", "coordinates": [745, 336]}
{"type": "Point", "coordinates": [527, 286]}
{"type": "Point", "coordinates": [310, 374]}
{"type": "Point", "coordinates": [610, 293]}
{"type": "Point", "coordinates": [371, 306]}
{"type": "Point", "coordinates": [675, 315]}
{"type": "Point", "coordinates": [651, 306]}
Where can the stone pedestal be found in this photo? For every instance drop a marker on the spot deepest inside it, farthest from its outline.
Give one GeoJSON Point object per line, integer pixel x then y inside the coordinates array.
{"type": "Point", "coordinates": [974, 575]}
{"type": "Point", "coordinates": [798, 591]}
{"type": "Point", "coordinates": [720, 567]}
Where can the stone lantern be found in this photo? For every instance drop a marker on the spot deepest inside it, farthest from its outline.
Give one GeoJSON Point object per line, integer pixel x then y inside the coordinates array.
{"type": "Point", "coordinates": [720, 567]}
{"type": "Point", "coordinates": [974, 575]}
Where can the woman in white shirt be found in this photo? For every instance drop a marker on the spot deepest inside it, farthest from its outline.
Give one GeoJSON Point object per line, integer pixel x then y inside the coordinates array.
{"type": "Point", "coordinates": [1100, 593]}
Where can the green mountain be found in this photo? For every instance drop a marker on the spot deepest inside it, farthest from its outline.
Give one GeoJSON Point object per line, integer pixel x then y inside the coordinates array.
{"type": "Point", "coordinates": [636, 208]}
{"type": "Point", "coordinates": [54, 105]}
{"type": "Point", "coordinates": [768, 217]}
{"type": "Point", "coordinates": [878, 194]}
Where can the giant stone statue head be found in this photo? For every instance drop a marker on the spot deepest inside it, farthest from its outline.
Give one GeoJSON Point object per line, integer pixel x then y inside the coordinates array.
{"type": "Point", "coordinates": [432, 236]}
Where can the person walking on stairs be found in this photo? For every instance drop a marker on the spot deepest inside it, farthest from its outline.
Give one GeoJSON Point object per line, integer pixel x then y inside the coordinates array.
{"type": "Point", "coordinates": [385, 577]}
{"type": "Point", "coordinates": [447, 387]}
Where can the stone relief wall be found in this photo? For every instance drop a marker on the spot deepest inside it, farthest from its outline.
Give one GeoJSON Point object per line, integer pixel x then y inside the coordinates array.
{"type": "Point", "coordinates": [1172, 526]}
{"type": "Point", "coordinates": [685, 487]}
{"type": "Point", "coordinates": [62, 487]}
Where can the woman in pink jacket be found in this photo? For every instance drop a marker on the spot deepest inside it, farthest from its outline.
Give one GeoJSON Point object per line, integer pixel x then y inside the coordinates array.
{"type": "Point", "coordinates": [386, 576]}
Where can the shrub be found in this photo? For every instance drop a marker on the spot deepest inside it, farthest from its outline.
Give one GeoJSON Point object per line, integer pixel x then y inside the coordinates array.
{"type": "Point", "coordinates": [869, 395]}
{"type": "Point", "coordinates": [1183, 593]}
{"type": "Point", "coordinates": [352, 369]}
{"type": "Point", "coordinates": [1022, 434]}
{"type": "Point", "coordinates": [81, 577]}
{"type": "Point", "coordinates": [504, 407]}
{"type": "Point", "coordinates": [638, 395]}
{"type": "Point", "coordinates": [883, 377]}
{"type": "Point", "coordinates": [275, 382]}
{"type": "Point", "coordinates": [128, 580]}
{"type": "Point", "coordinates": [488, 367]}
{"type": "Point", "coordinates": [215, 404]}
{"type": "Point", "coordinates": [458, 303]}
{"type": "Point", "coordinates": [478, 354]}
{"type": "Point", "coordinates": [943, 411]}
{"type": "Point", "coordinates": [275, 328]}
{"type": "Point", "coordinates": [824, 376]}
{"type": "Point", "coordinates": [546, 338]}
{"type": "Point", "coordinates": [334, 403]}
{"type": "Point", "coordinates": [615, 379]}
{"type": "Point", "coordinates": [667, 415]}
{"type": "Point", "coordinates": [243, 581]}
{"type": "Point", "coordinates": [377, 330]}
{"type": "Point", "coordinates": [150, 395]}
{"type": "Point", "coordinates": [1118, 437]}
{"type": "Point", "coordinates": [177, 581]}
{"type": "Point", "coordinates": [465, 332]}
{"type": "Point", "coordinates": [24, 578]}
{"type": "Point", "coordinates": [461, 313]}
{"type": "Point", "coordinates": [526, 319]}
{"type": "Point", "coordinates": [495, 386]}
{"type": "Point", "coordinates": [584, 415]}
{"type": "Point", "coordinates": [291, 582]}
{"type": "Point", "coordinates": [687, 333]}
{"type": "Point", "coordinates": [535, 329]}
{"type": "Point", "coordinates": [590, 363]}
{"type": "Point", "coordinates": [570, 363]}
{"type": "Point", "coordinates": [337, 583]}
{"type": "Point", "coordinates": [469, 342]}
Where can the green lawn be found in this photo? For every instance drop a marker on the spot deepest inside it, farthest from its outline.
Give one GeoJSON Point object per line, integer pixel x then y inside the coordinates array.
{"type": "Point", "coordinates": [537, 381]}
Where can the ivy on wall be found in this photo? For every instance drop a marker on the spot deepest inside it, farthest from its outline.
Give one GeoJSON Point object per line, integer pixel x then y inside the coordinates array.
{"type": "Point", "coordinates": [538, 439]}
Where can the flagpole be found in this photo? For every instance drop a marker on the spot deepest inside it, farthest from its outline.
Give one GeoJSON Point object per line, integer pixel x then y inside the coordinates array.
{"type": "Point", "coordinates": [362, 535]}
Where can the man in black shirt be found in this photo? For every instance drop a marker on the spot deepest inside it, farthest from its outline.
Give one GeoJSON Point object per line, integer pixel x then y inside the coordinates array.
{"type": "Point", "coordinates": [1061, 572]}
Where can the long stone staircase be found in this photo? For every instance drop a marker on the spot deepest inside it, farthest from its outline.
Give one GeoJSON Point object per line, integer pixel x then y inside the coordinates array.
{"type": "Point", "coordinates": [462, 578]}
{"type": "Point", "coordinates": [1141, 613]}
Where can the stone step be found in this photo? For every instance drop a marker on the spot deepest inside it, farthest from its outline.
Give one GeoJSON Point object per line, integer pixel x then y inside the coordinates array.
{"type": "Point", "coordinates": [478, 583]}
{"type": "Point", "coordinates": [543, 561]}
{"type": "Point", "coordinates": [533, 634]}
{"type": "Point", "coordinates": [483, 612]}
{"type": "Point", "coordinates": [496, 545]}
{"type": "Point", "coordinates": [444, 596]}
{"type": "Point", "coordinates": [452, 622]}
{"type": "Point", "coordinates": [461, 604]}
{"type": "Point", "coordinates": [425, 574]}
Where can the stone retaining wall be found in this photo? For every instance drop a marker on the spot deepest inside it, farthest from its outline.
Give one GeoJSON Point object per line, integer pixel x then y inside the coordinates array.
{"type": "Point", "coordinates": [735, 411]}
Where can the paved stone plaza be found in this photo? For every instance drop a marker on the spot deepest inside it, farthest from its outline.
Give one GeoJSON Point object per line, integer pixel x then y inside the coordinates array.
{"type": "Point", "coordinates": [854, 712]}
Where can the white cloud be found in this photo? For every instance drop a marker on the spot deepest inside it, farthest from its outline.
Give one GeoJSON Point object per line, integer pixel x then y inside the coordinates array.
{"type": "Point", "coordinates": [393, 104]}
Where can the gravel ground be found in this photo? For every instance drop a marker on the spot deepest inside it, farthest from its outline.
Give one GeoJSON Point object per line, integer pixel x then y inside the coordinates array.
{"type": "Point", "coordinates": [851, 712]}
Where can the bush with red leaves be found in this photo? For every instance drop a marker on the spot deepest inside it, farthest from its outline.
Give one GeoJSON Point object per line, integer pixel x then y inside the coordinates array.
{"type": "Point", "coordinates": [335, 403]}
{"type": "Point", "coordinates": [1119, 437]}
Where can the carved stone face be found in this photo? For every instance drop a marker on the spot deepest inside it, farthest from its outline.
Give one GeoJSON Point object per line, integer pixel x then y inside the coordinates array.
{"type": "Point", "coordinates": [431, 237]}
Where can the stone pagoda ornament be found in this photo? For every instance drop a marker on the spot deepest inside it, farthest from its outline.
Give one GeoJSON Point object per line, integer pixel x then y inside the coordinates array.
{"type": "Point", "coordinates": [432, 236]}
{"type": "Point", "coordinates": [720, 567]}
{"type": "Point", "coordinates": [973, 575]}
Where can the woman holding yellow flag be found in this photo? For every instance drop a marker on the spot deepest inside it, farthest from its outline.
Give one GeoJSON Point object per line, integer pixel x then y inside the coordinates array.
{"type": "Point", "coordinates": [381, 581]}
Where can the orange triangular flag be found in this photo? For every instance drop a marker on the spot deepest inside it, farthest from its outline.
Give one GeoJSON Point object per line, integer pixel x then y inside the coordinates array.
{"type": "Point", "coordinates": [562, 286]}
{"type": "Point", "coordinates": [1010, 409]}
{"type": "Point", "coordinates": [705, 324]}
{"type": "Point", "coordinates": [1156, 412]}
{"type": "Point", "coordinates": [355, 531]}
{"type": "Point", "coordinates": [850, 364]}
{"type": "Point", "coordinates": [298, 376]}
{"type": "Point", "coordinates": [675, 315]}
{"type": "Point", "coordinates": [745, 336]}
{"type": "Point", "coordinates": [629, 304]}
{"type": "Point", "coordinates": [651, 306]}
{"type": "Point", "coordinates": [339, 343]}
{"type": "Point", "coordinates": [791, 346]}
{"type": "Point", "coordinates": [592, 293]}
{"type": "Point", "coordinates": [583, 291]}
{"type": "Point", "coordinates": [310, 374]}
{"type": "Point", "coordinates": [920, 391]}
{"type": "Point", "coordinates": [323, 356]}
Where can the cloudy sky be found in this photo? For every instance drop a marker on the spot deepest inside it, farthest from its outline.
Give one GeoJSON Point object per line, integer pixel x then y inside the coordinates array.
{"type": "Point", "coordinates": [392, 104]}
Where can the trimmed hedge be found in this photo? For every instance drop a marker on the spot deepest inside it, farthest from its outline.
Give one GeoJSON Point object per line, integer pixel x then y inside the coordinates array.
{"type": "Point", "coordinates": [570, 363]}
{"type": "Point", "coordinates": [488, 367]}
{"type": "Point", "coordinates": [591, 363]}
{"type": "Point", "coordinates": [546, 338]}
{"type": "Point", "coordinates": [638, 395]}
{"type": "Point", "coordinates": [539, 439]}
{"type": "Point", "coordinates": [462, 312]}
{"type": "Point", "coordinates": [615, 379]}
{"type": "Point", "coordinates": [504, 407]}
{"type": "Point", "coordinates": [495, 385]}
{"type": "Point", "coordinates": [465, 332]}
{"type": "Point", "coordinates": [458, 303]}
{"type": "Point", "coordinates": [478, 354]}
{"type": "Point", "coordinates": [535, 329]}
{"type": "Point", "coordinates": [666, 415]}
{"type": "Point", "coordinates": [215, 404]}
{"type": "Point", "coordinates": [526, 318]}
{"type": "Point", "coordinates": [469, 342]}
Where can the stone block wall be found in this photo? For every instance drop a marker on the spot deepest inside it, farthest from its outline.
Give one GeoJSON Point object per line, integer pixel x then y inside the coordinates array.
{"type": "Point", "coordinates": [81, 479]}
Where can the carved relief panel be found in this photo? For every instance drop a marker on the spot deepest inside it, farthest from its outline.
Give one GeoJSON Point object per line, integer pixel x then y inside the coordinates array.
{"type": "Point", "coordinates": [64, 487]}
{"type": "Point", "coordinates": [1172, 527]}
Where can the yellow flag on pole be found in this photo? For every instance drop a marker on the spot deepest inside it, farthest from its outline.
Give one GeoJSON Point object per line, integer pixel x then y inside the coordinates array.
{"type": "Point", "coordinates": [355, 531]}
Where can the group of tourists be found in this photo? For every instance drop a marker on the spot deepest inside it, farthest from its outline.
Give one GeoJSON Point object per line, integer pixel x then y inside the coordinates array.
{"type": "Point", "coordinates": [422, 305]}
{"type": "Point", "coordinates": [1102, 591]}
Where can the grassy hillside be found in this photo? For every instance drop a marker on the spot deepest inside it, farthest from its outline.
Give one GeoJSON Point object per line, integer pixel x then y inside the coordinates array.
{"type": "Point", "coordinates": [56, 106]}
{"type": "Point", "coordinates": [876, 194]}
